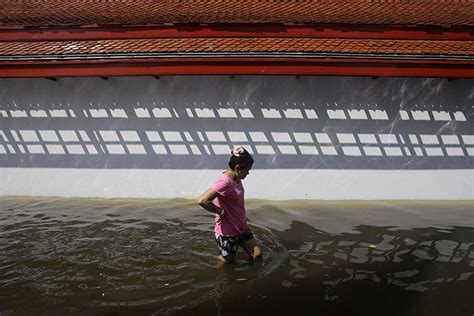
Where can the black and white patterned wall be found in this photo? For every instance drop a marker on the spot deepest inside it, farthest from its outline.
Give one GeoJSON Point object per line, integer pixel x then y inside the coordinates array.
{"type": "Point", "coordinates": [192, 122]}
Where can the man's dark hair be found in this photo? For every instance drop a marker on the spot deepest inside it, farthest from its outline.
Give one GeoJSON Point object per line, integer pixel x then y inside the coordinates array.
{"type": "Point", "coordinates": [240, 156]}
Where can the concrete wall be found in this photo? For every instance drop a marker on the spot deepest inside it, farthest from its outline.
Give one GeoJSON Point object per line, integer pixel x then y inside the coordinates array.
{"type": "Point", "coordinates": [312, 137]}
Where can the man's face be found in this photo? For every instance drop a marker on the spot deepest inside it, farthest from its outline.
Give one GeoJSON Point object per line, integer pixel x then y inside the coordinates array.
{"type": "Point", "coordinates": [242, 172]}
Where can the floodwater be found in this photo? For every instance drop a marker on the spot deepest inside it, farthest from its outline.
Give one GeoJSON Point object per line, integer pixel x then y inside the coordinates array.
{"type": "Point", "coordinates": [158, 257]}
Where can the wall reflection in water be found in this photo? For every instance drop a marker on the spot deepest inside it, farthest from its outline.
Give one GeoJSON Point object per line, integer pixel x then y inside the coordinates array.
{"type": "Point", "coordinates": [385, 256]}
{"type": "Point", "coordinates": [147, 257]}
{"type": "Point", "coordinates": [373, 271]}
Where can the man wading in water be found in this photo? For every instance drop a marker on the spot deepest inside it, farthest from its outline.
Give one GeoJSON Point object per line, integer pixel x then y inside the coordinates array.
{"type": "Point", "coordinates": [226, 200]}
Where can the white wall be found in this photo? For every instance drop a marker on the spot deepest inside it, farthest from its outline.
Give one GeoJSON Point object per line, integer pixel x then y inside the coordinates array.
{"type": "Point", "coordinates": [261, 184]}
{"type": "Point", "coordinates": [311, 137]}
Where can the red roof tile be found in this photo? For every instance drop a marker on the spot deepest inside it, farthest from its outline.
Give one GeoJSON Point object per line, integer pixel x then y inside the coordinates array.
{"type": "Point", "coordinates": [362, 32]}
{"type": "Point", "coordinates": [16, 13]}
{"type": "Point", "coordinates": [178, 47]}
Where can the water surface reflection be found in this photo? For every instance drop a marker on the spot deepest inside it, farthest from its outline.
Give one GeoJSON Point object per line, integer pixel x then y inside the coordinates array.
{"type": "Point", "coordinates": [148, 257]}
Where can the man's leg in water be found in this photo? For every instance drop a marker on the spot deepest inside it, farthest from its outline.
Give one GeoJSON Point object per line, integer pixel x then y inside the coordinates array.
{"type": "Point", "coordinates": [252, 249]}
{"type": "Point", "coordinates": [225, 260]}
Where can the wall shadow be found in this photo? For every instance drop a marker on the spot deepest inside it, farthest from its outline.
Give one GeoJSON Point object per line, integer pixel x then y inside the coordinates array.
{"type": "Point", "coordinates": [192, 122]}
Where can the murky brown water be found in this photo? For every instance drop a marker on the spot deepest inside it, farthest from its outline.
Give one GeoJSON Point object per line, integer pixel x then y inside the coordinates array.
{"type": "Point", "coordinates": [158, 257]}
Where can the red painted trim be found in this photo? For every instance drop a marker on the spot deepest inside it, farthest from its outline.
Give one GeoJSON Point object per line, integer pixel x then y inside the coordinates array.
{"type": "Point", "coordinates": [256, 67]}
{"type": "Point", "coordinates": [241, 60]}
{"type": "Point", "coordinates": [237, 30]}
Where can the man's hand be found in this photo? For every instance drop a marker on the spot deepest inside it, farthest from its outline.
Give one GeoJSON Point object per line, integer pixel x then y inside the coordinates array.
{"type": "Point", "coordinates": [219, 216]}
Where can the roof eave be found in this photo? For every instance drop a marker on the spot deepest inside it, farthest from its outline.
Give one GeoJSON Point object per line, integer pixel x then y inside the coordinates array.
{"type": "Point", "coordinates": [287, 55]}
{"type": "Point", "coordinates": [330, 66]}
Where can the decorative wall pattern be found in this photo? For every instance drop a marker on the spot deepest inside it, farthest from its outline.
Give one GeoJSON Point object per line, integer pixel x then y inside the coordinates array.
{"type": "Point", "coordinates": [192, 122]}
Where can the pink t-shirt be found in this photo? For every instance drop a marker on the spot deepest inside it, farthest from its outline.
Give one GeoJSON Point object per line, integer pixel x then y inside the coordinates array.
{"type": "Point", "coordinates": [231, 199]}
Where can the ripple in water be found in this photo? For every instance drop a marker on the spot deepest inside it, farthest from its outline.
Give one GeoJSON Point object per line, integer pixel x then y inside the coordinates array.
{"type": "Point", "coordinates": [148, 257]}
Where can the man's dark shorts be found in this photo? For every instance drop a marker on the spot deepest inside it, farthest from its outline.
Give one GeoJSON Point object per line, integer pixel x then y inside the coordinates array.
{"type": "Point", "coordinates": [228, 245]}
